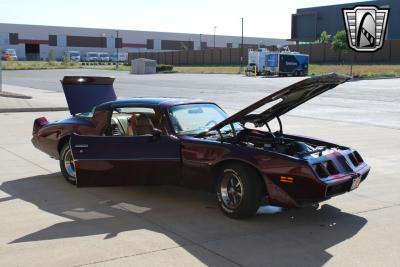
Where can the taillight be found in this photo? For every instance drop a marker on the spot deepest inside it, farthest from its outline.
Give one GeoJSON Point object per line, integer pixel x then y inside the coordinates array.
{"type": "Point", "coordinates": [39, 123]}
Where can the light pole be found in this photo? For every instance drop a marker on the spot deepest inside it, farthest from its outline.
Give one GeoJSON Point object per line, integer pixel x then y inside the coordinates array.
{"type": "Point", "coordinates": [241, 50]}
{"type": "Point", "coordinates": [215, 29]}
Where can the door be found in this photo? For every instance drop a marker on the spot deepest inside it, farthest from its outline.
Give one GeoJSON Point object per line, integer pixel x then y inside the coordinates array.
{"type": "Point", "coordinates": [32, 52]}
{"type": "Point", "coordinates": [122, 160]}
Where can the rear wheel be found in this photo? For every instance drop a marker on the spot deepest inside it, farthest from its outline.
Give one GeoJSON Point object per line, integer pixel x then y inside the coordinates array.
{"type": "Point", "coordinates": [239, 191]}
{"type": "Point", "coordinates": [67, 165]}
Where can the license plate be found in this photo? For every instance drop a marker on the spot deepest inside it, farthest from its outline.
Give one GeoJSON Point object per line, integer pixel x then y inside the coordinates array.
{"type": "Point", "coordinates": [356, 182]}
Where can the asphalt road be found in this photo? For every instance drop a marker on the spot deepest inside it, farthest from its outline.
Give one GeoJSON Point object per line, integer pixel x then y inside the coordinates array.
{"type": "Point", "coordinates": [47, 222]}
{"type": "Point", "coordinates": [371, 102]}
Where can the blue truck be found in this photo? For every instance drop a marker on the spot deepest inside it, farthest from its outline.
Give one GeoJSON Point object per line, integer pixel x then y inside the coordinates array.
{"type": "Point", "coordinates": [286, 64]}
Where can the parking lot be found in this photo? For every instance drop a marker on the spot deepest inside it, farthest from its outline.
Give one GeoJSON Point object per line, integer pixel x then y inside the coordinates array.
{"type": "Point", "coordinates": [372, 102]}
{"type": "Point", "coordinates": [47, 222]}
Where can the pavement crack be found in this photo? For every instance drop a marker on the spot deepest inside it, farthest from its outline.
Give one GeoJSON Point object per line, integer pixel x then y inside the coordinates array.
{"type": "Point", "coordinates": [376, 209]}
{"type": "Point", "coordinates": [126, 256]}
{"type": "Point", "coordinates": [23, 158]}
{"type": "Point", "coordinates": [200, 245]}
{"type": "Point", "coordinates": [371, 198]}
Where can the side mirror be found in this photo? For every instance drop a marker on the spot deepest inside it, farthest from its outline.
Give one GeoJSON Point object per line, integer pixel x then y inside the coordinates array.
{"type": "Point", "coordinates": [156, 133]}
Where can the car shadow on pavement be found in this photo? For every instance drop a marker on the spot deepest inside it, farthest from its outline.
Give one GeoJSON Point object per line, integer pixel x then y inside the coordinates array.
{"type": "Point", "coordinates": [188, 218]}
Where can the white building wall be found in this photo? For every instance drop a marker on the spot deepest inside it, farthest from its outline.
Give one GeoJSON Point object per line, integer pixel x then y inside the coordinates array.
{"type": "Point", "coordinates": [35, 32]}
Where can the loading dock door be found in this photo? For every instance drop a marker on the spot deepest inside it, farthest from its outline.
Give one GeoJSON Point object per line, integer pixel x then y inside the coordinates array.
{"type": "Point", "coordinates": [32, 51]}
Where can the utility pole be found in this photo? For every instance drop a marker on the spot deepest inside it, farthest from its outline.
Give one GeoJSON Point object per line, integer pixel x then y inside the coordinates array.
{"type": "Point", "coordinates": [117, 44]}
{"type": "Point", "coordinates": [215, 29]}
{"type": "Point", "coordinates": [241, 50]}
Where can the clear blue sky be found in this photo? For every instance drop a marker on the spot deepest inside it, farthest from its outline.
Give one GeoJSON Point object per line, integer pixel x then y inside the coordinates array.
{"type": "Point", "coordinates": [263, 18]}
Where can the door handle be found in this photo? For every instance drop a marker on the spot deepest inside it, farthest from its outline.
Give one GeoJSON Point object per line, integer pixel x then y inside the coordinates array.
{"type": "Point", "coordinates": [81, 146]}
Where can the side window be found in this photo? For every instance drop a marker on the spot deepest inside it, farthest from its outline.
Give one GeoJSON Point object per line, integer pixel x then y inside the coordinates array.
{"type": "Point", "coordinates": [132, 121]}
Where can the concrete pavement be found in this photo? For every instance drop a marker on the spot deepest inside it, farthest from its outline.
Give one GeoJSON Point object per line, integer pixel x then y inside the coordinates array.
{"type": "Point", "coordinates": [42, 100]}
{"type": "Point", "coordinates": [372, 102]}
{"type": "Point", "coordinates": [47, 222]}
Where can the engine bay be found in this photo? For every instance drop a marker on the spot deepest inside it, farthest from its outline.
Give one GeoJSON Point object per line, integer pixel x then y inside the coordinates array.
{"type": "Point", "coordinates": [276, 142]}
{"type": "Point", "coordinates": [279, 143]}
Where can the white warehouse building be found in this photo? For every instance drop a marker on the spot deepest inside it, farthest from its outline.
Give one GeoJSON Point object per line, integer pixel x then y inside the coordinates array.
{"type": "Point", "coordinates": [35, 42]}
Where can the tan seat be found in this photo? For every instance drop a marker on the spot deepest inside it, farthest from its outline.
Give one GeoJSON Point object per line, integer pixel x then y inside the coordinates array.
{"type": "Point", "coordinates": [140, 125]}
{"type": "Point", "coordinates": [132, 121]}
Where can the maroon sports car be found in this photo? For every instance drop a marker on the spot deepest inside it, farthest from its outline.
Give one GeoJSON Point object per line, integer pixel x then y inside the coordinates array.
{"type": "Point", "coordinates": [194, 143]}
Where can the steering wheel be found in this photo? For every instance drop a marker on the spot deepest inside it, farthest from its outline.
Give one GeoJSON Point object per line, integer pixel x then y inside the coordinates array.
{"type": "Point", "coordinates": [208, 123]}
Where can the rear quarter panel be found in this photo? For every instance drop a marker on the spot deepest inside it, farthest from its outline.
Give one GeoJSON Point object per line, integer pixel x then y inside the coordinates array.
{"type": "Point", "coordinates": [48, 138]}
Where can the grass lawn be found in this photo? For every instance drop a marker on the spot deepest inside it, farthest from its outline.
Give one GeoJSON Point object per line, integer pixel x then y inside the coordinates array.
{"type": "Point", "coordinates": [37, 65]}
{"type": "Point", "coordinates": [368, 71]}
{"type": "Point", "coordinates": [365, 71]}
{"type": "Point", "coordinates": [208, 69]}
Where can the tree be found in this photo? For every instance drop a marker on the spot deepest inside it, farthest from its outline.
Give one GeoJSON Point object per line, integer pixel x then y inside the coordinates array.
{"type": "Point", "coordinates": [324, 38]}
{"type": "Point", "coordinates": [339, 44]}
{"type": "Point", "coordinates": [51, 56]}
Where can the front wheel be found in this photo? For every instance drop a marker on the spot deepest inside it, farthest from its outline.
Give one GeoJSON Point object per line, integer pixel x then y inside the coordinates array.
{"type": "Point", "coordinates": [67, 164]}
{"type": "Point", "coordinates": [239, 191]}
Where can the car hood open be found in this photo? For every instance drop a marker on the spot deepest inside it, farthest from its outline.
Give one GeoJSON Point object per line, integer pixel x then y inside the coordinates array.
{"type": "Point", "coordinates": [287, 99]}
{"type": "Point", "coordinates": [83, 93]}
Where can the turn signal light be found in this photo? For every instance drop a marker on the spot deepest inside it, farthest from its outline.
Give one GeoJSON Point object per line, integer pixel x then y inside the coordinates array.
{"type": "Point", "coordinates": [286, 179]}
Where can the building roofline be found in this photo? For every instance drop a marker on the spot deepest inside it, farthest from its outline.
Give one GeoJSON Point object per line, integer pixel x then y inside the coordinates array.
{"type": "Point", "coordinates": [139, 31]}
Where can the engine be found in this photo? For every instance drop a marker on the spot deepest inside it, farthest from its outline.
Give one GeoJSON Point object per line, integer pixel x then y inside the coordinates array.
{"type": "Point", "coordinates": [279, 143]}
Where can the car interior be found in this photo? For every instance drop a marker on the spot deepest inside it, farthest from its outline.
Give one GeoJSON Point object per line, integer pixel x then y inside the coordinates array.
{"type": "Point", "coordinates": [133, 122]}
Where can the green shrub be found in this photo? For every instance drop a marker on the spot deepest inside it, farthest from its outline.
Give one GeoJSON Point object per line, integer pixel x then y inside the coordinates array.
{"type": "Point", "coordinates": [51, 56]}
{"type": "Point", "coordinates": [164, 67]}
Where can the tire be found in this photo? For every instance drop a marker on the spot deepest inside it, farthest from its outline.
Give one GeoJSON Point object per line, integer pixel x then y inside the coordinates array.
{"type": "Point", "coordinates": [66, 164]}
{"type": "Point", "coordinates": [239, 191]}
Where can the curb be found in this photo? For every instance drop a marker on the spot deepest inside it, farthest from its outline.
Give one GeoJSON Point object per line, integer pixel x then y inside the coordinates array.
{"type": "Point", "coordinates": [14, 95]}
{"type": "Point", "coordinates": [372, 78]}
{"type": "Point", "coordinates": [12, 110]}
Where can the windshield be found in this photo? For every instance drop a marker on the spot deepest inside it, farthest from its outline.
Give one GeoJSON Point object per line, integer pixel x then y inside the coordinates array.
{"type": "Point", "coordinates": [193, 119]}
{"type": "Point", "coordinates": [74, 54]}
{"type": "Point", "coordinates": [92, 54]}
{"type": "Point", "coordinates": [10, 51]}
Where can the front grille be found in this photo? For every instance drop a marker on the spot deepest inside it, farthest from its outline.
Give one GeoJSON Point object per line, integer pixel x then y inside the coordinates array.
{"type": "Point", "coordinates": [343, 162]}
{"type": "Point", "coordinates": [353, 159]}
{"type": "Point", "coordinates": [338, 189]}
{"type": "Point", "coordinates": [358, 157]}
{"type": "Point", "coordinates": [320, 170]}
{"type": "Point", "coordinates": [325, 169]}
{"type": "Point", "coordinates": [330, 167]}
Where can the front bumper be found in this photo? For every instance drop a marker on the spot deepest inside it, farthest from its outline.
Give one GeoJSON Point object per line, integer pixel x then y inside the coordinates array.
{"type": "Point", "coordinates": [344, 184]}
